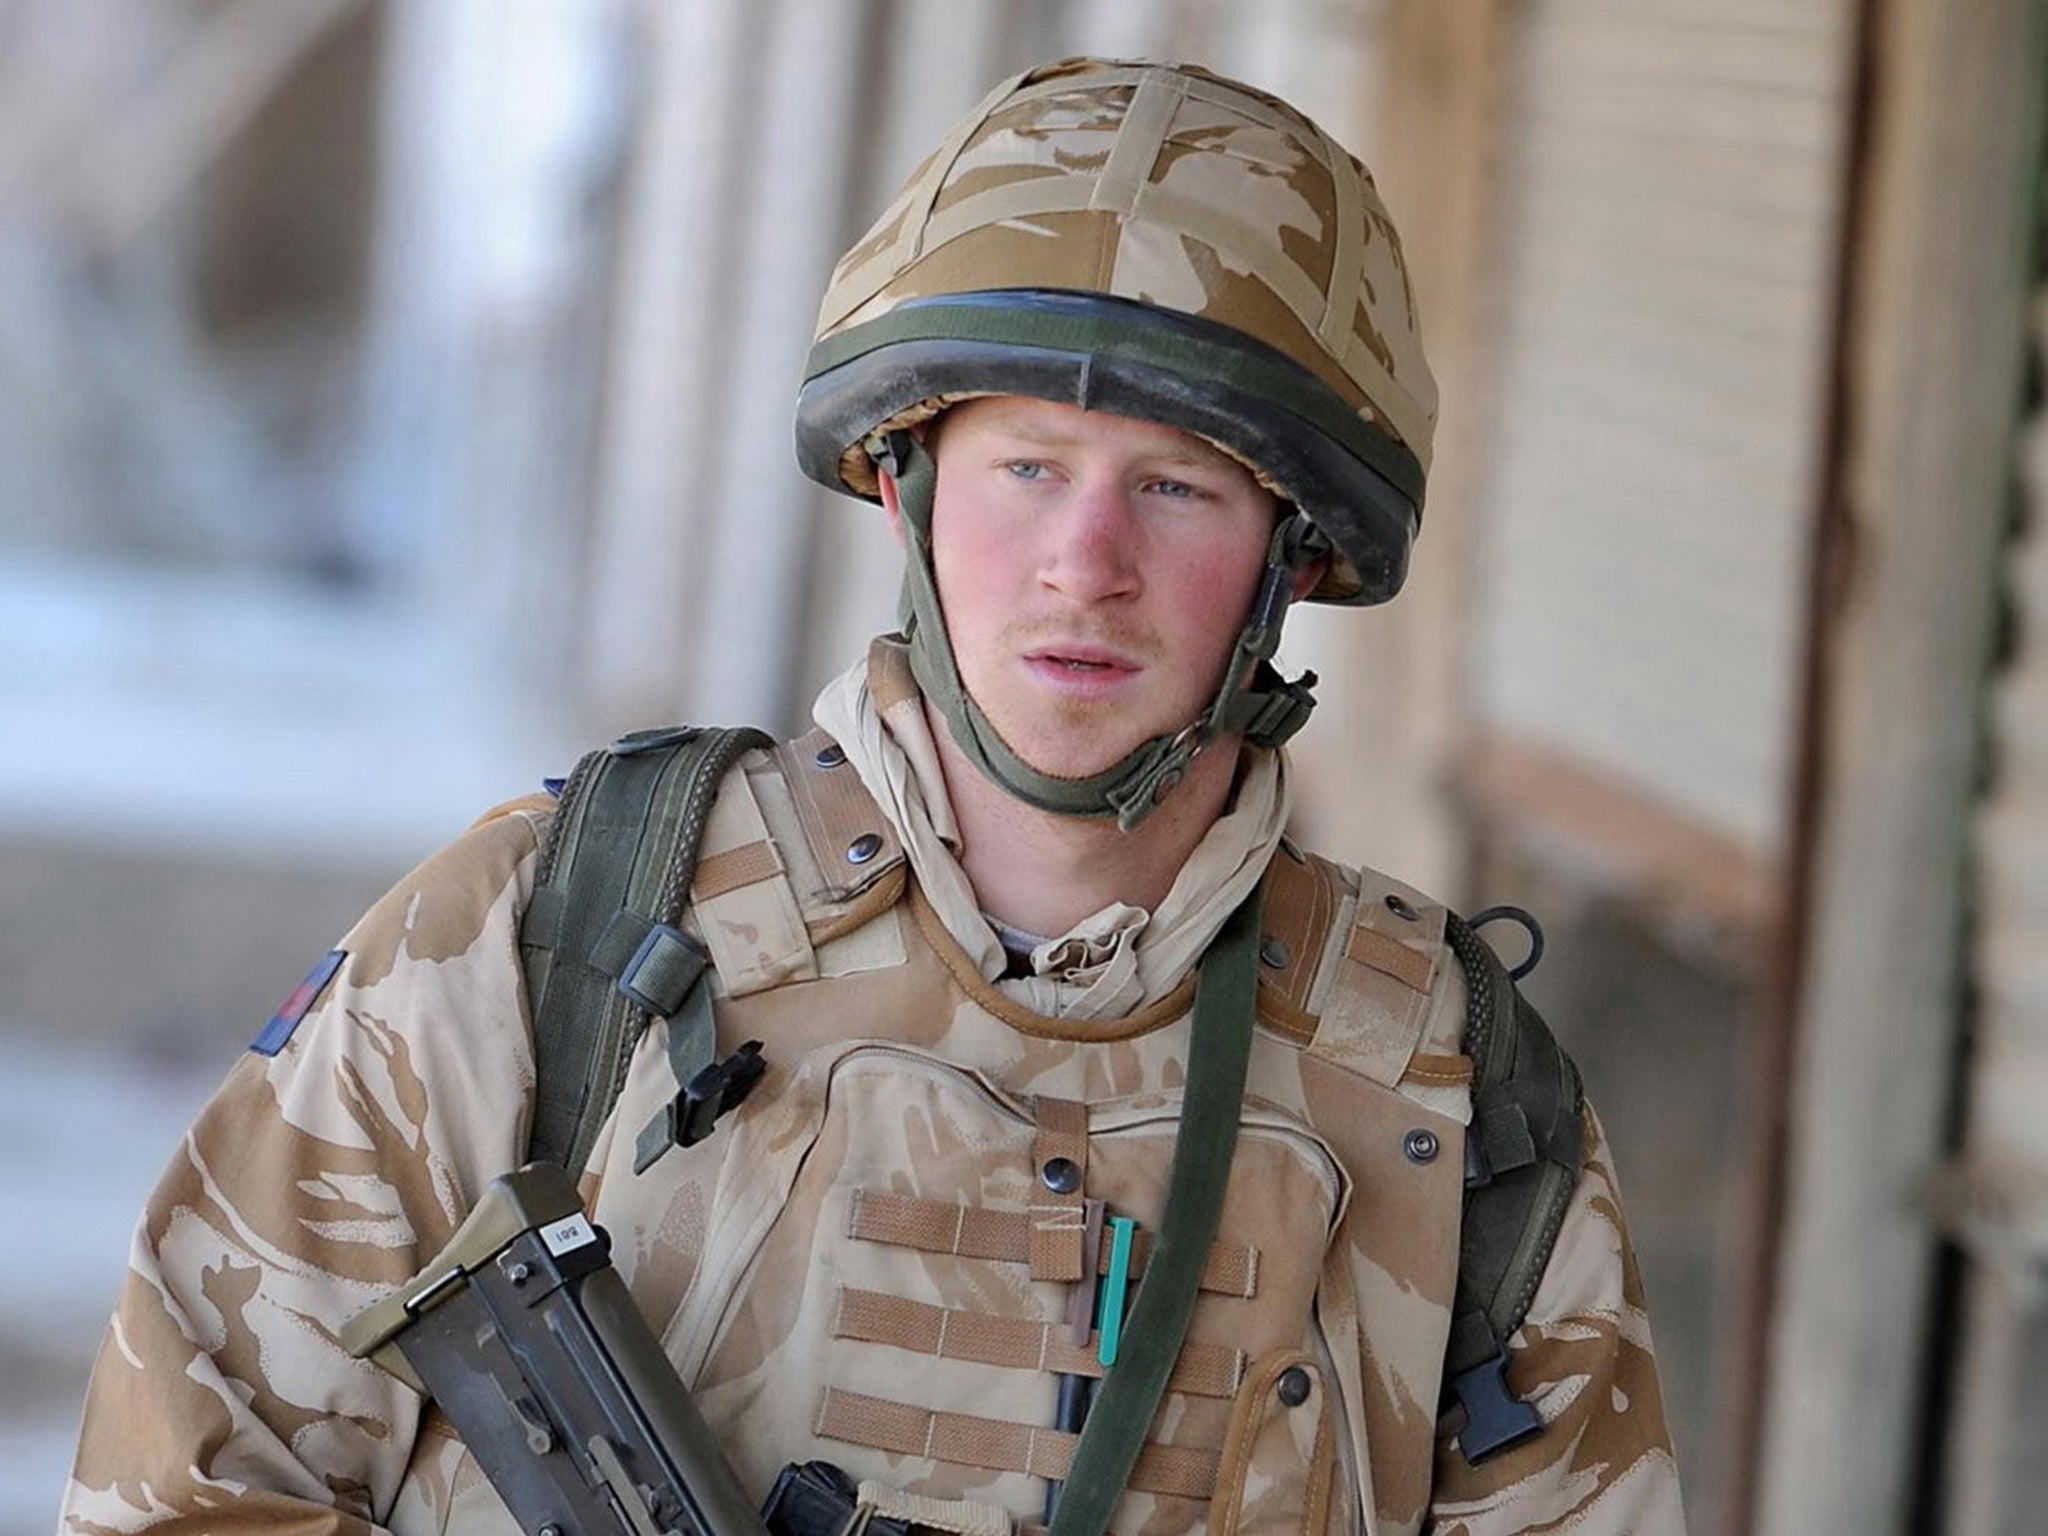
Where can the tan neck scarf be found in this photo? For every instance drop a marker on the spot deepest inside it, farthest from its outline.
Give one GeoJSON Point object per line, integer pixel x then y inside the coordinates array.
{"type": "Point", "coordinates": [1113, 963]}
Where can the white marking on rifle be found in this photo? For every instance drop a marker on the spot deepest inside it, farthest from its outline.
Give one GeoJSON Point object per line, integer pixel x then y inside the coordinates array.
{"type": "Point", "coordinates": [570, 1233]}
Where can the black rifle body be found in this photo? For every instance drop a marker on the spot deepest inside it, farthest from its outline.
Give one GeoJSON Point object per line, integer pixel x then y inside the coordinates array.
{"type": "Point", "coordinates": [524, 1333]}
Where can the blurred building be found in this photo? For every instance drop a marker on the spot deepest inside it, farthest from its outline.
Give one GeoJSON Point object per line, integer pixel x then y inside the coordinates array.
{"type": "Point", "coordinates": [394, 398]}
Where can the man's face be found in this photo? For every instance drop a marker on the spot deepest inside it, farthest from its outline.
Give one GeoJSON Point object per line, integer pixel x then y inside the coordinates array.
{"type": "Point", "coordinates": [1094, 571]}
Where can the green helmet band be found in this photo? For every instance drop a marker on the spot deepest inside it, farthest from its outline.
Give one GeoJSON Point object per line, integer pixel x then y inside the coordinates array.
{"type": "Point", "coordinates": [1266, 713]}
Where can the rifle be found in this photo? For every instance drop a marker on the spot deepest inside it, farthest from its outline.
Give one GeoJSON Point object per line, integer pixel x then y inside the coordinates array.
{"type": "Point", "coordinates": [524, 1333]}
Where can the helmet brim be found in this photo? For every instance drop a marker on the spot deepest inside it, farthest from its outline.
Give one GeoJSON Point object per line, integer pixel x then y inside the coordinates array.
{"type": "Point", "coordinates": [1357, 484]}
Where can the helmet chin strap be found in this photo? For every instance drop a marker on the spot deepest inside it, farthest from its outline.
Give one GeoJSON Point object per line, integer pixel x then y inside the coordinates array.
{"type": "Point", "coordinates": [1265, 713]}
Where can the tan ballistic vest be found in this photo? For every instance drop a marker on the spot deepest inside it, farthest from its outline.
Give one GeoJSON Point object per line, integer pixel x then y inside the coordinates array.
{"type": "Point", "coordinates": [866, 1265]}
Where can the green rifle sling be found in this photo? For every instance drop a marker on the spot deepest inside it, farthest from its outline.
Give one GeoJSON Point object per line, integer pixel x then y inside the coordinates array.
{"type": "Point", "coordinates": [1219, 1050]}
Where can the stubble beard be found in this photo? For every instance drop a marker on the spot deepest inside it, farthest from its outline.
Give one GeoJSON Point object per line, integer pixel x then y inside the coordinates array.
{"type": "Point", "coordinates": [1053, 732]}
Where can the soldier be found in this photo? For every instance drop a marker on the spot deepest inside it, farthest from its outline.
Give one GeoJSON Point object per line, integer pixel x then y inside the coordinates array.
{"type": "Point", "coordinates": [1131, 364]}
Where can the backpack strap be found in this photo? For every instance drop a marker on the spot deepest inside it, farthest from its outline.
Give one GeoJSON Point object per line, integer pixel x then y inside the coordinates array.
{"type": "Point", "coordinates": [1523, 1154]}
{"type": "Point", "coordinates": [602, 951]}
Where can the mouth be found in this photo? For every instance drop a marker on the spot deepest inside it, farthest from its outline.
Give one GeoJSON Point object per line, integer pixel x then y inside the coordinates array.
{"type": "Point", "coordinates": [1079, 659]}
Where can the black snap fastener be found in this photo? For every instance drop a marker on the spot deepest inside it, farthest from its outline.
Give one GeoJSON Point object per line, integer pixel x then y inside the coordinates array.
{"type": "Point", "coordinates": [1062, 1175]}
{"type": "Point", "coordinates": [830, 755]}
{"type": "Point", "coordinates": [1398, 905]}
{"type": "Point", "coordinates": [1421, 1146]}
{"type": "Point", "coordinates": [863, 848]}
{"type": "Point", "coordinates": [1293, 1386]}
{"type": "Point", "coordinates": [1273, 952]}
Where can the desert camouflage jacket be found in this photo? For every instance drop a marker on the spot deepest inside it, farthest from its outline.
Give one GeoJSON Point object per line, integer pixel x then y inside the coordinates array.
{"type": "Point", "coordinates": [847, 1268]}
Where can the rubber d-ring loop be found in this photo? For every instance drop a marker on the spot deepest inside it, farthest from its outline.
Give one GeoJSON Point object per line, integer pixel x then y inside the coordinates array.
{"type": "Point", "coordinates": [1529, 925]}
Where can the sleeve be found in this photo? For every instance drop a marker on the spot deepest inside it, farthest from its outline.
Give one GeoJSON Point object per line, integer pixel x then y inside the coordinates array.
{"type": "Point", "coordinates": [1604, 1464]}
{"type": "Point", "coordinates": [318, 1178]}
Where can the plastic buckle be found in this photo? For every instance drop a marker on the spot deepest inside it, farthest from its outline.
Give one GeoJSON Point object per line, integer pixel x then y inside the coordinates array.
{"type": "Point", "coordinates": [1494, 1417]}
{"type": "Point", "coordinates": [815, 1498]}
{"type": "Point", "coordinates": [1285, 711]}
{"type": "Point", "coordinates": [663, 969]}
{"type": "Point", "coordinates": [722, 1086]}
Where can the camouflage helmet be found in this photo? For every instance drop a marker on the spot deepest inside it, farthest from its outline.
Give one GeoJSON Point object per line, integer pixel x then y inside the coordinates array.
{"type": "Point", "coordinates": [1153, 241]}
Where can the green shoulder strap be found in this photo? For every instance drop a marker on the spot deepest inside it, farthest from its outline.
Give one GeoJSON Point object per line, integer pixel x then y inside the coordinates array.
{"type": "Point", "coordinates": [602, 952]}
{"type": "Point", "coordinates": [1219, 1049]}
{"type": "Point", "coordinates": [1523, 1154]}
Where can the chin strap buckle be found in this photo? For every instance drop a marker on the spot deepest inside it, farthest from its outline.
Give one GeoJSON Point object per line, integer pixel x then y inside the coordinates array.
{"type": "Point", "coordinates": [1134, 798]}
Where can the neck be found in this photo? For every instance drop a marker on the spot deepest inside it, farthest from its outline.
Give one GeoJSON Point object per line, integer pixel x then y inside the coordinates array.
{"type": "Point", "coordinates": [1043, 872]}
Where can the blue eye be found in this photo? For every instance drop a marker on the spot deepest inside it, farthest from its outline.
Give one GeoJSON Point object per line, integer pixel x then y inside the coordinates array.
{"type": "Point", "coordinates": [1025, 469]}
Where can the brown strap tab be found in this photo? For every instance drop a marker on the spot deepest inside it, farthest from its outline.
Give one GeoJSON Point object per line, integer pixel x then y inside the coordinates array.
{"type": "Point", "coordinates": [1438, 1071]}
{"type": "Point", "coordinates": [1000, 1445]}
{"type": "Point", "coordinates": [973, 1232]}
{"type": "Point", "coordinates": [1390, 957]}
{"type": "Point", "coordinates": [1059, 1158]}
{"type": "Point", "coordinates": [1016, 1343]}
{"type": "Point", "coordinates": [748, 864]}
{"type": "Point", "coordinates": [851, 842]}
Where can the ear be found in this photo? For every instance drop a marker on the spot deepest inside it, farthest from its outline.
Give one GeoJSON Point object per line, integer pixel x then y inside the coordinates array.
{"type": "Point", "coordinates": [892, 502]}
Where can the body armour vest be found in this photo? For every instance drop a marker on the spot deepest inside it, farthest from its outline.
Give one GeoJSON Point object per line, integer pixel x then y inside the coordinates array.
{"type": "Point", "coordinates": [871, 1263]}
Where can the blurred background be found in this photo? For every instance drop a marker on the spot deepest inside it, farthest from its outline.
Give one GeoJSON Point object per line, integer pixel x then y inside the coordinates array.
{"type": "Point", "coordinates": [395, 396]}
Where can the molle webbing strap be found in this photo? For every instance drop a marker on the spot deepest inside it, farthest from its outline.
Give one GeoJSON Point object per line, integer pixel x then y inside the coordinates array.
{"type": "Point", "coordinates": [881, 1506]}
{"type": "Point", "coordinates": [975, 1232]}
{"type": "Point", "coordinates": [1219, 1050]}
{"type": "Point", "coordinates": [1523, 1156]}
{"type": "Point", "coordinates": [1015, 1343]}
{"type": "Point", "coordinates": [1003, 1445]}
{"type": "Point", "coordinates": [602, 953]}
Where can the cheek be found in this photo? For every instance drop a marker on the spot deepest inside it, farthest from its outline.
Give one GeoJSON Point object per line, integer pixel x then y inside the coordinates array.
{"type": "Point", "coordinates": [1214, 590]}
{"type": "Point", "coordinates": [968, 565]}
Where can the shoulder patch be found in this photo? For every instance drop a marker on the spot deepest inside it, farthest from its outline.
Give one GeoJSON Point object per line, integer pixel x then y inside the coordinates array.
{"type": "Point", "coordinates": [298, 1005]}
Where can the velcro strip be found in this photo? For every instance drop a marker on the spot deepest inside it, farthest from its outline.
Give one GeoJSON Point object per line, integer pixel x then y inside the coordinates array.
{"type": "Point", "coordinates": [1000, 1445]}
{"type": "Point", "coordinates": [972, 1232]}
{"type": "Point", "coordinates": [1503, 1133]}
{"type": "Point", "coordinates": [1016, 1343]}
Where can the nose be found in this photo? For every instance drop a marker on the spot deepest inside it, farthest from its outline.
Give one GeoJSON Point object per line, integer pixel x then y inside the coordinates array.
{"type": "Point", "coordinates": [1091, 552]}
